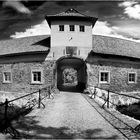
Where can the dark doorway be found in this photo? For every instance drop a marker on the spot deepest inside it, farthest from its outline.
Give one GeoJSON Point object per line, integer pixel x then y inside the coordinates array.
{"type": "Point", "coordinates": [71, 74]}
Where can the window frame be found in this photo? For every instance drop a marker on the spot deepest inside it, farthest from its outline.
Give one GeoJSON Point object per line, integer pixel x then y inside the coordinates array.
{"type": "Point", "coordinates": [32, 76]}
{"type": "Point", "coordinates": [7, 81]}
{"type": "Point", "coordinates": [104, 82]}
{"type": "Point", "coordinates": [70, 28]}
{"type": "Point", "coordinates": [60, 28]}
{"type": "Point", "coordinates": [132, 82]}
{"type": "Point", "coordinates": [81, 28]}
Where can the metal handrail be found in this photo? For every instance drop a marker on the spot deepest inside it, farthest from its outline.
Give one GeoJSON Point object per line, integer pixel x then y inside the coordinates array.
{"type": "Point", "coordinates": [107, 99]}
{"type": "Point", "coordinates": [137, 128]}
{"type": "Point", "coordinates": [23, 96]}
{"type": "Point", "coordinates": [118, 93]}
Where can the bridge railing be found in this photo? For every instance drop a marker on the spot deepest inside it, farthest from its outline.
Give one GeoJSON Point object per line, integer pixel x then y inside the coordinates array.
{"type": "Point", "coordinates": [112, 98]}
{"type": "Point", "coordinates": [11, 109]}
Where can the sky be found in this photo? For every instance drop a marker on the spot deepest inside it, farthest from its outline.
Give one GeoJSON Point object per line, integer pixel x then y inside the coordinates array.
{"type": "Point", "coordinates": [22, 18]}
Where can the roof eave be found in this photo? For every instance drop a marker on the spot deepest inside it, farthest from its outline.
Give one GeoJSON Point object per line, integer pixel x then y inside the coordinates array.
{"type": "Point", "coordinates": [49, 19]}
{"type": "Point", "coordinates": [117, 55]}
{"type": "Point", "coordinates": [24, 53]}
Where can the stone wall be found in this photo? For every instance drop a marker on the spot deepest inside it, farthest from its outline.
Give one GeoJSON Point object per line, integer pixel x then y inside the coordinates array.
{"type": "Point", "coordinates": [21, 76]}
{"type": "Point", "coordinates": [118, 69]}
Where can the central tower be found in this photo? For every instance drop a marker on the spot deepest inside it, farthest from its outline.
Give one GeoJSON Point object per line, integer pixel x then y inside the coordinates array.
{"type": "Point", "coordinates": [71, 34]}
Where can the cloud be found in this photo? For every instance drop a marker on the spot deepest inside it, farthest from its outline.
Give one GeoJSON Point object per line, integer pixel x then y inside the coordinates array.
{"type": "Point", "coordinates": [131, 8]}
{"type": "Point", "coordinates": [17, 5]}
{"type": "Point", "coordinates": [100, 28]}
{"type": "Point", "coordinates": [39, 29]}
{"type": "Point", "coordinates": [105, 29]}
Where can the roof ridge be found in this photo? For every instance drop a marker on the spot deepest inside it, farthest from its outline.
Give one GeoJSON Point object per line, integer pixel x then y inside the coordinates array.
{"type": "Point", "coordinates": [70, 11]}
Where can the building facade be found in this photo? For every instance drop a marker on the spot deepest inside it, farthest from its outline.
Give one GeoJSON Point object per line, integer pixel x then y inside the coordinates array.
{"type": "Point", "coordinates": [71, 58]}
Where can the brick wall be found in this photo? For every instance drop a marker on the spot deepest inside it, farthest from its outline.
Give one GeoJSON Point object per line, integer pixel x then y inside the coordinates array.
{"type": "Point", "coordinates": [21, 76]}
{"type": "Point", "coordinates": [118, 69]}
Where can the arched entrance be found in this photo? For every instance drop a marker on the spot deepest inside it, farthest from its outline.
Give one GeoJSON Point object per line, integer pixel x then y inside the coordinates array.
{"type": "Point", "coordinates": [71, 74]}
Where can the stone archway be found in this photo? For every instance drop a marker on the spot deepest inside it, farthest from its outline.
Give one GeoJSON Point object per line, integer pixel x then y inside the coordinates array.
{"type": "Point", "coordinates": [71, 74]}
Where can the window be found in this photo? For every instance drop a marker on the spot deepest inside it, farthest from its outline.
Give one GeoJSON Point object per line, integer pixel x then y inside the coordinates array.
{"type": "Point", "coordinates": [132, 77]}
{"type": "Point", "coordinates": [7, 78]}
{"type": "Point", "coordinates": [37, 76]}
{"type": "Point", "coordinates": [104, 77]}
{"type": "Point", "coordinates": [61, 27]}
{"type": "Point", "coordinates": [71, 51]}
{"type": "Point", "coordinates": [82, 28]}
{"type": "Point", "coordinates": [72, 28]}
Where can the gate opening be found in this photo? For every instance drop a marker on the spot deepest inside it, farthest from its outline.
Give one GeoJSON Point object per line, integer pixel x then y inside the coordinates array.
{"type": "Point", "coordinates": [71, 74]}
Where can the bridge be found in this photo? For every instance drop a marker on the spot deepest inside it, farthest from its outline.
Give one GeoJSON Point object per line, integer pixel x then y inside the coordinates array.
{"type": "Point", "coordinates": [72, 115]}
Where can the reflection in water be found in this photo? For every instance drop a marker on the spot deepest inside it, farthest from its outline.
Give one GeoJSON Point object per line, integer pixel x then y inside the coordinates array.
{"type": "Point", "coordinates": [70, 77]}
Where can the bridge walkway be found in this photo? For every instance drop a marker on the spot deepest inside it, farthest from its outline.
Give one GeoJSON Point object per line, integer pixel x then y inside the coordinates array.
{"type": "Point", "coordinates": [68, 116]}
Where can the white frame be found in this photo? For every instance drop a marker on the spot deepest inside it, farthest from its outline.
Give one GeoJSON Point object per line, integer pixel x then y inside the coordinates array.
{"type": "Point", "coordinates": [104, 82]}
{"type": "Point", "coordinates": [32, 78]}
{"type": "Point", "coordinates": [7, 81]}
{"type": "Point", "coordinates": [132, 82]}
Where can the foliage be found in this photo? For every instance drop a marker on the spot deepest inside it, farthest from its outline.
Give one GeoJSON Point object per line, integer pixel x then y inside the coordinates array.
{"type": "Point", "coordinates": [70, 75]}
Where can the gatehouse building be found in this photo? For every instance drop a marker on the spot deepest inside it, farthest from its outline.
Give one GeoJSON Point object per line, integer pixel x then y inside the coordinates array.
{"type": "Point", "coordinates": [71, 58]}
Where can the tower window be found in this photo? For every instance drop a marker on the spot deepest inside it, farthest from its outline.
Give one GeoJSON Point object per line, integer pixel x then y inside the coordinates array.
{"type": "Point", "coordinates": [82, 28]}
{"type": "Point", "coordinates": [72, 28]}
{"type": "Point", "coordinates": [61, 27]}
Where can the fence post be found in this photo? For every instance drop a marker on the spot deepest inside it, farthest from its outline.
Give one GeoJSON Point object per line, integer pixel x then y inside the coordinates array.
{"type": "Point", "coordinates": [108, 99]}
{"type": "Point", "coordinates": [5, 113]}
{"type": "Point", "coordinates": [39, 99]}
{"type": "Point", "coordinates": [49, 92]}
{"type": "Point", "coordinates": [94, 92]}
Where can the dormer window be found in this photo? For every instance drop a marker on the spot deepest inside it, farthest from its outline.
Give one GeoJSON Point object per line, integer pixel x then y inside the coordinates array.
{"type": "Point", "coordinates": [61, 27]}
{"type": "Point", "coordinates": [72, 28]}
{"type": "Point", "coordinates": [82, 28]}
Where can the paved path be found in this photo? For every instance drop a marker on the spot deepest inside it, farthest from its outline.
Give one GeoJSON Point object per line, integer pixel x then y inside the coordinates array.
{"type": "Point", "coordinates": [69, 115]}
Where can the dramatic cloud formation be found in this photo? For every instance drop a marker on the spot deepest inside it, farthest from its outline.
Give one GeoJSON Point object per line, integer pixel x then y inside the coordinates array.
{"type": "Point", "coordinates": [132, 9]}
{"type": "Point", "coordinates": [20, 18]}
{"type": "Point", "coordinates": [40, 29]}
{"type": "Point", "coordinates": [104, 28]}
{"type": "Point", "coordinates": [17, 5]}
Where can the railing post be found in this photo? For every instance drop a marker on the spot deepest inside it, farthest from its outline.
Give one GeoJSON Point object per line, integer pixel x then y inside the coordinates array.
{"type": "Point", "coordinates": [6, 109]}
{"type": "Point", "coordinates": [49, 92]}
{"type": "Point", "coordinates": [39, 99]}
{"type": "Point", "coordinates": [108, 99]}
{"type": "Point", "coordinates": [94, 92]}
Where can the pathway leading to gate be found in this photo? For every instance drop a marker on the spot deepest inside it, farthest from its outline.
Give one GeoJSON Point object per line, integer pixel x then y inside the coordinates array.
{"type": "Point", "coordinates": [69, 115]}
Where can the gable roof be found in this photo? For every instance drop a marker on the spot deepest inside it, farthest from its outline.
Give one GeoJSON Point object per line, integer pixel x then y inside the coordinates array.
{"type": "Point", "coordinates": [24, 45]}
{"type": "Point", "coordinates": [115, 46]}
{"type": "Point", "coordinates": [70, 14]}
